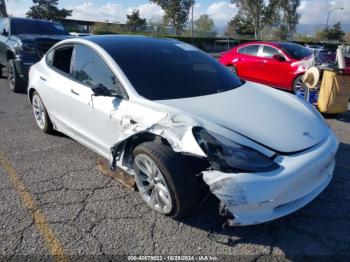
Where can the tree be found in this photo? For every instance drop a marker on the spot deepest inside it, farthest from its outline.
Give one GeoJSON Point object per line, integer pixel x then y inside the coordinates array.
{"type": "Point", "coordinates": [47, 9]}
{"type": "Point", "coordinates": [290, 18]}
{"type": "Point", "coordinates": [259, 12]}
{"type": "Point", "coordinates": [205, 26]}
{"type": "Point", "coordinates": [177, 11]}
{"type": "Point", "coordinates": [347, 38]}
{"type": "Point", "coordinates": [134, 22]}
{"type": "Point", "coordinates": [335, 33]}
{"type": "Point", "coordinates": [3, 10]}
{"type": "Point", "coordinates": [238, 26]}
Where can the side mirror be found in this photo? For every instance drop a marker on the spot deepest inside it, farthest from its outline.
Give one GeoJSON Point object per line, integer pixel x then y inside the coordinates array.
{"type": "Point", "coordinates": [101, 90]}
{"type": "Point", "coordinates": [279, 57]}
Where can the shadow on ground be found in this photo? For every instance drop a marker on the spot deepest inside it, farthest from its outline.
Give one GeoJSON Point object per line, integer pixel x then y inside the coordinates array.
{"type": "Point", "coordinates": [320, 228]}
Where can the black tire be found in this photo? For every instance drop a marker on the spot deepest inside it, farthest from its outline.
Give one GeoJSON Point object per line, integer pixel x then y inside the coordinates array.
{"type": "Point", "coordinates": [232, 69]}
{"type": "Point", "coordinates": [296, 83]}
{"type": "Point", "coordinates": [47, 127]}
{"type": "Point", "coordinates": [15, 83]}
{"type": "Point", "coordinates": [183, 187]}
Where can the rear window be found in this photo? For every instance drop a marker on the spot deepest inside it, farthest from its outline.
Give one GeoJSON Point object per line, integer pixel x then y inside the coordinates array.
{"type": "Point", "coordinates": [296, 51]}
{"type": "Point", "coordinates": [35, 27]}
{"type": "Point", "coordinates": [249, 50]}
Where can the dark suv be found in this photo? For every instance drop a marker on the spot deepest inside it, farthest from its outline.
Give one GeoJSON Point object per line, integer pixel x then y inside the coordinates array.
{"type": "Point", "coordinates": [22, 43]}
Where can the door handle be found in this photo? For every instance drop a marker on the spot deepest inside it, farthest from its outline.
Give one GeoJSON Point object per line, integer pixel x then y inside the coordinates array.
{"type": "Point", "coordinates": [43, 78]}
{"type": "Point", "coordinates": [73, 92]}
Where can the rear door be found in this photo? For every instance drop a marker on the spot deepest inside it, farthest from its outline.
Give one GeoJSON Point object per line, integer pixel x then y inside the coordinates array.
{"type": "Point", "coordinates": [247, 63]}
{"type": "Point", "coordinates": [55, 85]}
{"type": "Point", "coordinates": [95, 119]}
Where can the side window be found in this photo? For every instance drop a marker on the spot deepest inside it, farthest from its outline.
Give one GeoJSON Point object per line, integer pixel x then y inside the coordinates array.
{"type": "Point", "coordinates": [249, 50]}
{"type": "Point", "coordinates": [269, 51]}
{"type": "Point", "coordinates": [241, 50]}
{"type": "Point", "coordinates": [90, 69]}
{"type": "Point", "coordinates": [62, 57]}
{"type": "Point", "coordinates": [49, 57]}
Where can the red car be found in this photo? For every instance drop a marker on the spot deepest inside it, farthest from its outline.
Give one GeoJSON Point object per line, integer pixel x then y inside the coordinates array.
{"type": "Point", "coordinates": [271, 63]}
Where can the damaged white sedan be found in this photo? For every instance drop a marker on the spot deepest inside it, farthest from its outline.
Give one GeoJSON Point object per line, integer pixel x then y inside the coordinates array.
{"type": "Point", "coordinates": [180, 123]}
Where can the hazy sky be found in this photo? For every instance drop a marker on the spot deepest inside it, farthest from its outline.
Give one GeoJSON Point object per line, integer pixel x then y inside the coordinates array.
{"type": "Point", "coordinates": [312, 11]}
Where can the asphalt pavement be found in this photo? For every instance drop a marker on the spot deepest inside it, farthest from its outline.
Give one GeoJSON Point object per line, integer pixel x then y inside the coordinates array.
{"type": "Point", "coordinates": [55, 201]}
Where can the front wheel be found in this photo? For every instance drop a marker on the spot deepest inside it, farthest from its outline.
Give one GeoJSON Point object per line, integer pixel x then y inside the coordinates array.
{"type": "Point", "coordinates": [164, 180]}
{"type": "Point", "coordinates": [298, 84]}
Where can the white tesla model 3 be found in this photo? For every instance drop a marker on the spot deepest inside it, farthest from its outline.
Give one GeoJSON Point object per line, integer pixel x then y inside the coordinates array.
{"type": "Point", "coordinates": [181, 123]}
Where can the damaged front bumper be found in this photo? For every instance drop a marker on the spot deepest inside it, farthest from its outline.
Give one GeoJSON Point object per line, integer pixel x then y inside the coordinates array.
{"type": "Point", "coordinates": [255, 198]}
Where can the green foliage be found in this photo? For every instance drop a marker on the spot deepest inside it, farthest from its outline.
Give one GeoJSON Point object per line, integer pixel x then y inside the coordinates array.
{"type": "Point", "coordinates": [240, 27]}
{"type": "Point", "coordinates": [335, 33]}
{"type": "Point", "coordinates": [176, 11]}
{"type": "Point", "coordinates": [3, 10]}
{"type": "Point", "coordinates": [260, 12]}
{"type": "Point", "coordinates": [134, 22]}
{"type": "Point", "coordinates": [289, 18]}
{"type": "Point", "coordinates": [204, 26]}
{"type": "Point", "coordinates": [105, 29]}
{"type": "Point", "coordinates": [47, 9]}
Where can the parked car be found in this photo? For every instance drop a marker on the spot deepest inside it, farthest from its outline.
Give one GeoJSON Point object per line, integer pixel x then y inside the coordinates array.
{"type": "Point", "coordinates": [179, 122]}
{"type": "Point", "coordinates": [79, 34]}
{"type": "Point", "coordinates": [315, 47]}
{"type": "Point", "coordinates": [272, 63]}
{"type": "Point", "coordinates": [22, 43]}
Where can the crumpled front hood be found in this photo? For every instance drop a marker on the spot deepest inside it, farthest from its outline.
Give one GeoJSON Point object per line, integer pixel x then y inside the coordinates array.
{"type": "Point", "coordinates": [273, 118]}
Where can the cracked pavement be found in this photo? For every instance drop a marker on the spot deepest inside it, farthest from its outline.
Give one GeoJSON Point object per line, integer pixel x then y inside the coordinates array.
{"type": "Point", "coordinates": [93, 215]}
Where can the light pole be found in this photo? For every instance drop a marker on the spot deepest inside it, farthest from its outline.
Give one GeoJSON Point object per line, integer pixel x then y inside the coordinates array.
{"type": "Point", "coordinates": [328, 14]}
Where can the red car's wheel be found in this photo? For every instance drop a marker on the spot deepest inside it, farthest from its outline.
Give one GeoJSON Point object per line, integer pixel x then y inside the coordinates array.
{"type": "Point", "coordinates": [232, 69]}
{"type": "Point", "coordinates": [298, 84]}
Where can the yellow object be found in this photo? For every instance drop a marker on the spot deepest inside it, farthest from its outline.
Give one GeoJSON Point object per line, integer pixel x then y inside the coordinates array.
{"type": "Point", "coordinates": [334, 93]}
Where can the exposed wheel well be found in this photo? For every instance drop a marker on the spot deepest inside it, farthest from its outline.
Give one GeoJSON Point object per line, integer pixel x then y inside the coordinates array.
{"type": "Point", "coordinates": [197, 163]}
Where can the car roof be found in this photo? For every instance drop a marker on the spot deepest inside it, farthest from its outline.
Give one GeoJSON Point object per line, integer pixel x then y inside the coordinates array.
{"type": "Point", "coordinates": [272, 43]}
{"type": "Point", "coordinates": [31, 19]}
{"type": "Point", "coordinates": [106, 40]}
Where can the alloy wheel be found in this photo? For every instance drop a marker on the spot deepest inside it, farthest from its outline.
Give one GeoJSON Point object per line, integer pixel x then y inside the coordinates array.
{"type": "Point", "coordinates": [152, 185]}
{"type": "Point", "coordinates": [11, 76]}
{"type": "Point", "coordinates": [39, 112]}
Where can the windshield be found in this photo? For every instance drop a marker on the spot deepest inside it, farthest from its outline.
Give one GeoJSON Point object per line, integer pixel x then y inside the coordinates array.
{"type": "Point", "coordinates": [167, 69]}
{"type": "Point", "coordinates": [19, 26]}
{"type": "Point", "coordinates": [296, 51]}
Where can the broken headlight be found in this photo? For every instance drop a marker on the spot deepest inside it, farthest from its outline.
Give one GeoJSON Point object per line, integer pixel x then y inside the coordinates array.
{"type": "Point", "coordinates": [228, 156]}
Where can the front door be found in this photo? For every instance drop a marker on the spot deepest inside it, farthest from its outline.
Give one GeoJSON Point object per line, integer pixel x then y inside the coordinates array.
{"type": "Point", "coordinates": [273, 72]}
{"type": "Point", "coordinates": [95, 120]}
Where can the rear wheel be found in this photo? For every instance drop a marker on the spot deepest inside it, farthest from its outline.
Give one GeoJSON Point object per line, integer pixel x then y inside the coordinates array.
{"type": "Point", "coordinates": [40, 114]}
{"type": "Point", "coordinates": [298, 84]}
{"type": "Point", "coordinates": [164, 179]}
{"type": "Point", "coordinates": [15, 83]}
